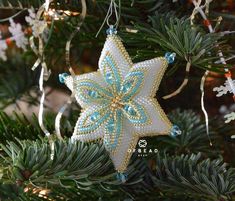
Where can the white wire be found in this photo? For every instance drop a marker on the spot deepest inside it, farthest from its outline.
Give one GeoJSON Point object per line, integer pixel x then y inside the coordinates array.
{"type": "Point", "coordinates": [112, 6]}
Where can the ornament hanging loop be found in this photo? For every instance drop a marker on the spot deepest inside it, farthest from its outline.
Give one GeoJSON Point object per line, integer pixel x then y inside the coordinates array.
{"type": "Point", "coordinates": [113, 8]}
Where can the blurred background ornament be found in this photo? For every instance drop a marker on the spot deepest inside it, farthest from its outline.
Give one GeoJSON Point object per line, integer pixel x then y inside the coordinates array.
{"type": "Point", "coordinates": [230, 117]}
{"type": "Point", "coordinates": [3, 47]}
{"type": "Point", "coordinates": [38, 26]}
{"type": "Point", "coordinates": [199, 8]}
{"type": "Point", "coordinates": [18, 35]}
{"type": "Point", "coordinates": [224, 89]}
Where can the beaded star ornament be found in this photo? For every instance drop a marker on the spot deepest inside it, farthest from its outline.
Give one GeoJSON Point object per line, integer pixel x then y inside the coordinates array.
{"type": "Point", "coordinates": [118, 101]}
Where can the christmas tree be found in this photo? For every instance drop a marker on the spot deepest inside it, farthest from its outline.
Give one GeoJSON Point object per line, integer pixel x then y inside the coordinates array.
{"type": "Point", "coordinates": [46, 45]}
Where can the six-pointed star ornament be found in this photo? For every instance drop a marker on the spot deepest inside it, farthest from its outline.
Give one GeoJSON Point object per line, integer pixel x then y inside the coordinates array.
{"type": "Point", "coordinates": [118, 102]}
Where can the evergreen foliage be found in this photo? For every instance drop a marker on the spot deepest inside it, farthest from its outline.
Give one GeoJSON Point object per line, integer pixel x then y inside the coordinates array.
{"type": "Point", "coordinates": [186, 167]}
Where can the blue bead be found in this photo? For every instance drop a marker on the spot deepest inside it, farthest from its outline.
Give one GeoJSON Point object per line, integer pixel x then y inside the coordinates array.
{"type": "Point", "coordinates": [170, 57]}
{"type": "Point", "coordinates": [126, 107]}
{"type": "Point", "coordinates": [132, 111]}
{"type": "Point", "coordinates": [109, 78]}
{"type": "Point", "coordinates": [129, 110]}
{"type": "Point", "coordinates": [121, 177]}
{"type": "Point", "coordinates": [175, 131]}
{"type": "Point", "coordinates": [93, 94]}
{"type": "Point", "coordinates": [95, 116]}
{"type": "Point", "coordinates": [126, 87]}
{"type": "Point", "coordinates": [110, 128]}
{"type": "Point", "coordinates": [62, 77]}
{"type": "Point", "coordinates": [111, 30]}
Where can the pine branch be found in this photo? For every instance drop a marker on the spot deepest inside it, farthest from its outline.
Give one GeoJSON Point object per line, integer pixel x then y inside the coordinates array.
{"type": "Point", "coordinates": [191, 44]}
{"type": "Point", "coordinates": [86, 167]}
{"type": "Point", "coordinates": [185, 175]}
{"type": "Point", "coordinates": [189, 175]}
{"type": "Point", "coordinates": [16, 83]}
{"type": "Point", "coordinates": [194, 138]}
{"type": "Point", "coordinates": [18, 126]}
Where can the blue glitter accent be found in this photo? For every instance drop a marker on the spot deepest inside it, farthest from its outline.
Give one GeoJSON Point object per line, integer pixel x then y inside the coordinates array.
{"type": "Point", "coordinates": [114, 129]}
{"type": "Point", "coordinates": [83, 128]}
{"type": "Point", "coordinates": [95, 116]}
{"type": "Point", "coordinates": [62, 77]}
{"type": "Point", "coordinates": [121, 177]}
{"type": "Point", "coordinates": [170, 57]}
{"type": "Point", "coordinates": [125, 88]}
{"type": "Point", "coordinates": [93, 94]}
{"type": "Point", "coordinates": [135, 113]}
{"type": "Point", "coordinates": [136, 78]}
{"type": "Point", "coordinates": [96, 88]}
{"type": "Point", "coordinates": [130, 110]}
{"type": "Point", "coordinates": [175, 131]}
{"type": "Point", "coordinates": [110, 125]}
{"type": "Point", "coordinates": [111, 30]}
{"type": "Point", "coordinates": [114, 72]}
{"type": "Point", "coordinates": [109, 78]}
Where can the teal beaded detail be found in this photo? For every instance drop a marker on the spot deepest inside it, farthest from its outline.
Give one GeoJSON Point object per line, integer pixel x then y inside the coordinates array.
{"type": "Point", "coordinates": [115, 102]}
{"type": "Point", "coordinates": [91, 92]}
{"type": "Point", "coordinates": [95, 116]}
{"type": "Point", "coordinates": [132, 84]}
{"type": "Point", "coordinates": [109, 78]}
{"type": "Point", "coordinates": [92, 121]}
{"type": "Point", "coordinates": [135, 113]}
{"type": "Point", "coordinates": [112, 76]}
{"type": "Point", "coordinates": [113, 131]}
{"type": "Point", "coordinates": [130, 110]}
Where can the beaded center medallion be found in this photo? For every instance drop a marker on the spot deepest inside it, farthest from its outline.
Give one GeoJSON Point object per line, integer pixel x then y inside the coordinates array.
{"type": "Point", "coordinates": [118, 101]}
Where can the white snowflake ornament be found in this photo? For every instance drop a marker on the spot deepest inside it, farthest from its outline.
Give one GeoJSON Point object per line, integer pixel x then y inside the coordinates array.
{"type": "Point", "coordinates": [18, 34]}
{"type": "Point", "coordinates": [118, 102]}
{"type": "Point", "coordinates": [38, 26]}
{"type": "Point", "coordinates": [228, 87]}
{"type": "Point", "coordinates": [229, 117]}
{"type": "Point", "coordinates": [3, 47]}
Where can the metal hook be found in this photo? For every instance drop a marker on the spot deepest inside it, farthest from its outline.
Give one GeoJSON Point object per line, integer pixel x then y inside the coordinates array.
{"type": "Point", "coordinates": [115, 7]}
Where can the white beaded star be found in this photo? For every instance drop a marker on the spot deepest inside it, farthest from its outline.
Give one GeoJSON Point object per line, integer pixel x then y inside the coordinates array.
{"type": "Point", "coordinates": [118, 102]}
